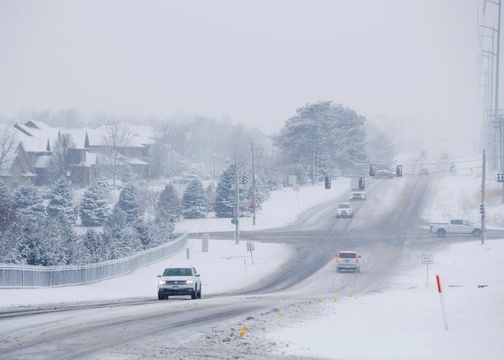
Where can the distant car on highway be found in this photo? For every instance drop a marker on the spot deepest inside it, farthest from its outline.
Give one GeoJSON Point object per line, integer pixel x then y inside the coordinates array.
{"type": "Point", "coordinates": [179, 281]}
{"type": "Point", "coordinates": [383, 172]}
{"type": "Point", "coordinates": [344, 210]}
{"type": "Point", "coordinates": [357, 195]}
{"type": "Point", "coordinates": [348, 261]}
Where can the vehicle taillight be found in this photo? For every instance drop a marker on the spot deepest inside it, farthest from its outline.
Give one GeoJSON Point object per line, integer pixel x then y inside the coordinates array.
{"type": "Point", "coordinates": [337, 257]}
{"type": "Point", "coordinates": [356, 258]}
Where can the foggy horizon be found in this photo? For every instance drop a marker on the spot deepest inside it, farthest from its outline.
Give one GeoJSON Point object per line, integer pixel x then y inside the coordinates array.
{"type": "Point", "coordinates": [250, 63]}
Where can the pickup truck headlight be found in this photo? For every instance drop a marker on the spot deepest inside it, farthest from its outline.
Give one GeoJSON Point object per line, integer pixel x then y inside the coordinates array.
{"type": "Point", "coordinates": [162, 282]}
{"type": "Point", "coordinates": [189, 282]}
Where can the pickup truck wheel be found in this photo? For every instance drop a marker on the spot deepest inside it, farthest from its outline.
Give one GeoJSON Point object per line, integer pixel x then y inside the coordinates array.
{"type": "Point", "coordinates": [476, 232]}
{"type": "Point", "coordinates": [441, 232]}
{"type": "Point", "coordinates": [194, 293]}
{"type": "Point", "coordinates": [199, 294]}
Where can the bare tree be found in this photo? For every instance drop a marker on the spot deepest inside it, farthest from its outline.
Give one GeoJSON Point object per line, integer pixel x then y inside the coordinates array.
{"type": "Point", "coordinates": [60, 162]}
{"type": "Point", "coordinates": [8, 142]}
{"type": "Point", "coordinates": [116, 136]}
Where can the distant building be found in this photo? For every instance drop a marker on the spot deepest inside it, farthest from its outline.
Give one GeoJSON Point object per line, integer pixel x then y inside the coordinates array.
{"type": "Point", "coordinates": [18, 169]}
{"type": "Point", "coordinates": [90, 157]}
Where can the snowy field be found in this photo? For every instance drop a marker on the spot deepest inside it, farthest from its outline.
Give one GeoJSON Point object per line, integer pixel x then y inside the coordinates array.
{"type": "Point", "coordinates": [405, 320]}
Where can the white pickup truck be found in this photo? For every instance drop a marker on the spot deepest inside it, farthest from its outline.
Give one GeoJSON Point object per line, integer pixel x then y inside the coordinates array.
{"type": "Point", "coordinates": [456, 226]}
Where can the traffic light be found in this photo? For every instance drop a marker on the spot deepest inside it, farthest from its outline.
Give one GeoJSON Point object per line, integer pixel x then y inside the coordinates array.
{"type": "Point", "coordinates": [372, 170]}
{"type": "Point", "coordinates": [362, 183]}
{"type": "Point", "coordinates": [327, 182]}
{"type": "Point", "coordinates": [482, 209]}
{"type": "Point", "coordinates": [500, 177]}
{"type": "Point", "coordinates": [399, 170]}
{"type": "Point", "coordinates": [245, 178]}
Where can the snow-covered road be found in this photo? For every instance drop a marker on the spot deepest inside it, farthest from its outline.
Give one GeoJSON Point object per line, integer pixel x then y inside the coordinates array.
{"type": "Point", "coordinates": [399, 319]}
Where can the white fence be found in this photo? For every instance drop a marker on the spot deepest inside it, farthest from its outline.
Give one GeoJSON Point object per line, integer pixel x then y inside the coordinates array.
{"type": "Point", "coordinates": [25, 276]}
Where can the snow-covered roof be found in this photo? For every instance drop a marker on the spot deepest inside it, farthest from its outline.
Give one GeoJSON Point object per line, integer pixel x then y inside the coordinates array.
{"type": "Point", "coordinates": [37, 125]}
{"type": "Point", "coordinates": [135, 161]}
{"type": "Point", "coordinates": [35, 134]}
{"type": "Point", "coordinates": [35, 139]}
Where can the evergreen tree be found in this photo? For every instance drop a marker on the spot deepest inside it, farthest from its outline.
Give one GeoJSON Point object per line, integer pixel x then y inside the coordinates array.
{"type": "Point", "coordinates": [30, 207]}
{"type": "Point", "coordinates": [93, 208]}
{"type": "Point", "coordinates": [210, 195]}
{"type": "Point", "coordinates": [128, 202]}
{"type": "Point", "coordinates": [194, 202]}
{"type": "Point", "coordinates": [144, 234]}
{"type": "Point", "coordinates": [29, 201]}
{"type": "Point", "coordinates": [120, 237]}
{"type": "Point", "coordinates": [168, 211]}
{"type": "Point", "coordinates": [60, 203]}
{"type": "Point", "coordinates": [124, 231]}
{"type": "Point", "coordinates": [74, 252]}
{"type": "Point", "coordinates": [6, 196]}
{"type": "Point", "coordinates": [127, 174]}
{"type": "Point", "coordinates": [169, 207]}
{"type": "Point", "coordinates": [246, 195]}
{"type": "Point", "coordinates": [225, 196]}
{"type": "Point", "coordinates": [42, 243]}
{"type": "Point", "coordinates": [329, 136]}
{"type": "Point", "coordinates": [224, 205]}
{"type": "Point", "coordinates": [262, 192]}
{"type": "Point", "coordinates": [93, 243]}
{"type": "Point", "coordinates": [9, 224]}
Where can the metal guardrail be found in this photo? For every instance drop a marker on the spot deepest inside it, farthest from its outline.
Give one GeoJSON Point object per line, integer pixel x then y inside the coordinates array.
{"type": "Point", "coordinates": [26, 276]}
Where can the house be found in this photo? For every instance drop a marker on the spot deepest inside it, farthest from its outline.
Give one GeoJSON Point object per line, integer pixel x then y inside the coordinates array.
{"type": "Point", "coordinates": [89, 158]}
{"type": "Point", "coordinates": [18, 170]}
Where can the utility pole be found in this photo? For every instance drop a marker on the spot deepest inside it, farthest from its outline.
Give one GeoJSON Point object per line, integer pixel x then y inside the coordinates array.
{"type": "Point", "coordinates": [491, 138]}
{"type": "Point", "coordinates": [496, 102]}
{"type": "Point", "coordinates": [314, 159]}
{"type": "Point", "coordinates": [497, 120]}
{"type": "Point", "coordinates": [237, 202]}
{"type": "Point", "coordinates": [253, 187]}
{"type": "Point", "coordinates": [483, 199]}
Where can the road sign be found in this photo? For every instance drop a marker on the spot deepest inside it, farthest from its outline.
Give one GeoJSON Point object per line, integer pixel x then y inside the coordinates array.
{"type": "Point", "coordinates": [427, 259]}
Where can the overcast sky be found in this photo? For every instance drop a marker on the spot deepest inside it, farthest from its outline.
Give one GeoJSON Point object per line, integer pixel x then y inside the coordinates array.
{"type": "Point", "coordinates": [252, 62]}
